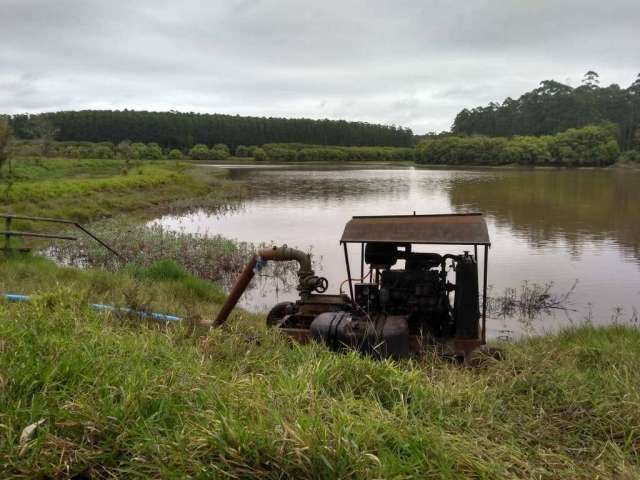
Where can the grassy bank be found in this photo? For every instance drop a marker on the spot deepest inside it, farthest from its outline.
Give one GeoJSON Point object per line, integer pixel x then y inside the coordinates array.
{"type": "Point", "coordinates": [122, 398]}
{"type": "Point", "coordinates": [88, 190]}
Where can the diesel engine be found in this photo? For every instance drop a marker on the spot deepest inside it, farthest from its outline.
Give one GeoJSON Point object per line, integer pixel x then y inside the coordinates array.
{"type": "Point", "coordinates": [396, 305]}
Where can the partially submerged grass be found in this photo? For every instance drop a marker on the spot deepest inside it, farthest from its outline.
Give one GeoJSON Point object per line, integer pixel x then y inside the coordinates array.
{"type": "Point", "coordinates": [123, 398]}
{"type": "Point", "coordinates": [212, 258]}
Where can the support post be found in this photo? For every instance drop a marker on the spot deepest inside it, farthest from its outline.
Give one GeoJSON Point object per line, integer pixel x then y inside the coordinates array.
{"type": "Point", "coordinates": [484, 295]}
{"type": "Point", "coordinates": [362, 262]}
{"type": "Point", "coordinates": [7, 233]}
{"type": "Point", "coordinates": [346, 259]}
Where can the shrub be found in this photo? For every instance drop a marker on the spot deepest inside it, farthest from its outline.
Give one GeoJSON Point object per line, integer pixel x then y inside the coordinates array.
{"type": "Point", "coordinates": [152, 152]}
{"type": "Point", "coordinates": [592, 145]}
{"type": "Point", "coordinates": [242, 151]}
{"type": "Point", "coordinates": [260, 155]}
{"type": "Point", "coordinates": [175, 154]}
{"type": "Point", "coordinates": [102, 151]}
{"type": "Point", "coordinates": [630, 156]}
{"type": "Point", "coordinates": [199, 152]}
{"type": "Point", "coordinates": [138, 150]}
{"type": "Point", "coordinates": [221, 147]}
{"type": "Point", "coordinates": [218, 154]}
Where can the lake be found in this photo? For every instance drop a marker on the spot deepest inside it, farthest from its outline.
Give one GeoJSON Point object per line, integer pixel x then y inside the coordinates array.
{"type": "Point", "coordinates": [578, 230]}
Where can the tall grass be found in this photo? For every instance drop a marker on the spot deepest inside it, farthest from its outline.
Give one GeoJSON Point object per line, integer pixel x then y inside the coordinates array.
{"type": "Point", "coordinates": [127, 399]}
{"type": "Point", "coordinates": [211, 258]}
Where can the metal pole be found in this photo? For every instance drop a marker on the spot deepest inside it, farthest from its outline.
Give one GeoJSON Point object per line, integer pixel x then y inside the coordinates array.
{"type": "Point", "coordinates": [484, 295]}
{"type": "Point", "coordinates": [346, 259]}
{"type": "Point", "coordinates": [100, 242]}
{"type": "Point", "coordinates": [362, 262]}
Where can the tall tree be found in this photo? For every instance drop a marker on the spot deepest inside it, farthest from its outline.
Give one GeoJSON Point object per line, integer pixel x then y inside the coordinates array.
{"type": "Point", "coordinates": [184, 130]}
{"type": "Point", "coordinates": [554, 107]}
{"type": "Point", "coordinates": [6, 134]}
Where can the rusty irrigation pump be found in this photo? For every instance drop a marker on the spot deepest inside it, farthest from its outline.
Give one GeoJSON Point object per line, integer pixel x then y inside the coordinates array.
{"type": "Point", "coordinates": [390, 312]}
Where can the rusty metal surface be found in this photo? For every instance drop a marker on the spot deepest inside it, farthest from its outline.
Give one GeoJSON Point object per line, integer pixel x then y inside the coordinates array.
{"type": "Point", "coordinates": [8, 233]}
{"type": "Point", "coordinates": [306, 277]}
{"type": "Point", "coordinates": [15, 233]}
{"type": "Point", "coordinates": [459, 229]}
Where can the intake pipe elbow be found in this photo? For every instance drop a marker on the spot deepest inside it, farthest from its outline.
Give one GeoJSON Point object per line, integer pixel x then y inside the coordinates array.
{"type": "Point", "coordinates": [307, 281]}
{"type": "Point", "coordinates": [285, 254]}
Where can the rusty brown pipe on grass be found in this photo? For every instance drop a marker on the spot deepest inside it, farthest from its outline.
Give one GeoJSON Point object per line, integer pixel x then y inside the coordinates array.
{"type": "Point", "coordinates": [307, 280]}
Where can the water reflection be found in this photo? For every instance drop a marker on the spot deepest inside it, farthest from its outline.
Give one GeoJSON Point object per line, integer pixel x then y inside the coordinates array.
{"type": "Point", "coordinates": [546, 226]}
{"type": "Point", "coordinates": [547, 206]}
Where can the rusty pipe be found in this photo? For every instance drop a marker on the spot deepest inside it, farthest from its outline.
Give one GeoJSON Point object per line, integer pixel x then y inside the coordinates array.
{"type": "Point", "coordinates": [279, 254]}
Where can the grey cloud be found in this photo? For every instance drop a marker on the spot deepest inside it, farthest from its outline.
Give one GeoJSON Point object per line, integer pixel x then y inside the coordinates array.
{"type": "Point", "coordinates": [409, 62]}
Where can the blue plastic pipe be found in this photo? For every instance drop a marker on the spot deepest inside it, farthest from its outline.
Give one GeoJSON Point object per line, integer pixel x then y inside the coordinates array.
{"type": "Point", "coordinates": [162, 317]}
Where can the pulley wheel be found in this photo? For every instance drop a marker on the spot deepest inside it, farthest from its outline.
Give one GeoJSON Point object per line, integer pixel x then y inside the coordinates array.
{"type": "Point", "coordinates": [278, 312]}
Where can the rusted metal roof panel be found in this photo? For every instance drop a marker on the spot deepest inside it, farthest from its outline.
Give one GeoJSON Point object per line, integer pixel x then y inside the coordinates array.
{"type": "Point", "coordinates": [461, 229]}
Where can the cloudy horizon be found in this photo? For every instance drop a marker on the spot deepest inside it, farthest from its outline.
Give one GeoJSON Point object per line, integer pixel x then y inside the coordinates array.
{"type": "Point", "coordinates": [409, 63]}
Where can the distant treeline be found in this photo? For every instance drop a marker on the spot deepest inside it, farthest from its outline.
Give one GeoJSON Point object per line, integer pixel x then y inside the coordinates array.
{"type": "Point", "coordinates": [296, 152]}
{"type": "Point", "coordinates": [554, 107]}
{"type": "Point", "coordinates": [184, 130]}
{"type": "Point", "coordinates": [587, 146]}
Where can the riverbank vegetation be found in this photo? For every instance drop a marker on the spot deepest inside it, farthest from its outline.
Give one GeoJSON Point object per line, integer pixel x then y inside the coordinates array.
{"type": "Point", "coordinates": [110, 397]}
{"type": "Point", "coordinates": [87, 190]}
{"type": "Point", "coordinates": [587, 146]}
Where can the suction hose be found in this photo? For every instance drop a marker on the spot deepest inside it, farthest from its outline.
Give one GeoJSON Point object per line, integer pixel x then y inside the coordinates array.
{"type": "Point", "coordinates": [307, 281]}
{"type": "Point", "coordinates": [162, 317]}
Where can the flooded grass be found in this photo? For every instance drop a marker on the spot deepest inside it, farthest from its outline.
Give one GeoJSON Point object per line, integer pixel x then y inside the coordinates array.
{"type": "Point", "coordinates": [210, 258]}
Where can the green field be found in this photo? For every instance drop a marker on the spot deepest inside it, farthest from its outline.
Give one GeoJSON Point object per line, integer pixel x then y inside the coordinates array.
{"type": "Point", "coordinates": [122, 398]}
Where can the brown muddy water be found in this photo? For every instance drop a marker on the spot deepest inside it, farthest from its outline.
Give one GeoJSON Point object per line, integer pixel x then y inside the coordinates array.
{"type": "Point", "coordinates": [575, 229]}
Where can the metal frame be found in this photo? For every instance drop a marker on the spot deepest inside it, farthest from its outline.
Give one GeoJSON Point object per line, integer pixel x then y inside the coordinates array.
{"type": "Point", "coordinates": [475, 251]}
{"type": "Point", "coordinates": [8, 233]}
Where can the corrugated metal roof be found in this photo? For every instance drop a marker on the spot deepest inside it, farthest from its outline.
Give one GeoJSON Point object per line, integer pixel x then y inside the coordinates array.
{"type": "Point", "coordinates": [460, 229]}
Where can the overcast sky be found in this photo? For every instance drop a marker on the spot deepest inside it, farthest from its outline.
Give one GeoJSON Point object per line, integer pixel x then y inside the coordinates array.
{"type": "Point", "coordinates": [411, 63]}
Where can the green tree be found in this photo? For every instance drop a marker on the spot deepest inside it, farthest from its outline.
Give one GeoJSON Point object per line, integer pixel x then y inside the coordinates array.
{"type": "Point", "coordinates": [6, 134]}
{"type": "Point", "coordinates": [44, 131]}
{"type": "Point", "coordinates": [124, 150]}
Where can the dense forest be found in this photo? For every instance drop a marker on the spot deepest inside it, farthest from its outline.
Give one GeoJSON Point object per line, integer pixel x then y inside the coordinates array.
{"type": "Point", "coordinates": [554, 107]}
{"type": "Point", "coordinates": [184, 130]}
{"type": "Point", "coordinates": [593, 145]}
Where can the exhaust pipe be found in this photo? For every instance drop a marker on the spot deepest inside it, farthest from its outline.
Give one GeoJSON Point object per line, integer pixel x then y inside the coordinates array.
{"type": "Point", "coordinates": [307, 281]}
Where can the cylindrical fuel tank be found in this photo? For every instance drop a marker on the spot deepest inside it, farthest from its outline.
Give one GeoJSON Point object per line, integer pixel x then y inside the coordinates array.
{"type": "Point", "coordinates": [385, 337]}
{"type": "Point", "coordinates": [466, 309]}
